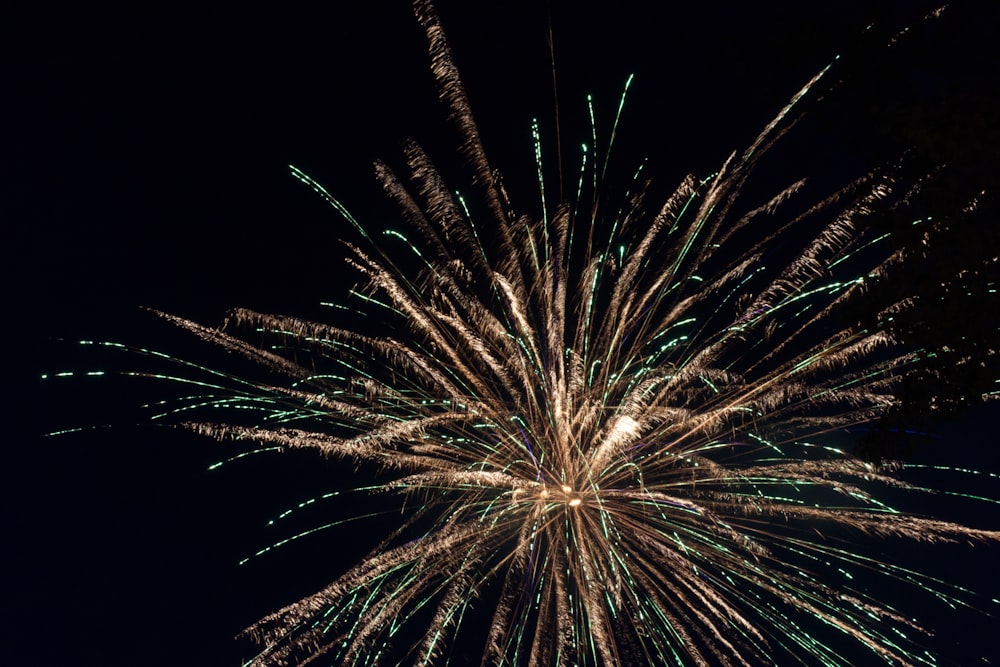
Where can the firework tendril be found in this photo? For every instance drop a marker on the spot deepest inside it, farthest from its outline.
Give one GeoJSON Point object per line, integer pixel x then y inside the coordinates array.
{"type": "Point", "coordinates": [608, 429]}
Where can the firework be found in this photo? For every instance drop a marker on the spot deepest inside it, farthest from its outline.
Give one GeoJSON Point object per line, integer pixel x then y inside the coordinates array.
{"type": "Point", "coordinates": [606, 422]}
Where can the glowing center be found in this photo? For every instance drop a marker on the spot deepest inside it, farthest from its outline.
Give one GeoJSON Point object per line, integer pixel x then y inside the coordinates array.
{"type": "Point", "coordinates": [563, 493]}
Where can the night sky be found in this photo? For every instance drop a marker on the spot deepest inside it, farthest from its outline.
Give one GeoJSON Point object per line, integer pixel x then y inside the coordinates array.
{"type": "Point", "coordinates": [143, 163]}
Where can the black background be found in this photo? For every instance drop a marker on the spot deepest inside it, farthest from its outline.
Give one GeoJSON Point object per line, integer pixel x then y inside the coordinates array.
{"type": "Point", "coordinates": [144, 161]}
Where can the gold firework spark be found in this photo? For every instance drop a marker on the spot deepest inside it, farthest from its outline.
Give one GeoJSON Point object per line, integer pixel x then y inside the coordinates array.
{"type": "Point", "coordinates": [611, 424]}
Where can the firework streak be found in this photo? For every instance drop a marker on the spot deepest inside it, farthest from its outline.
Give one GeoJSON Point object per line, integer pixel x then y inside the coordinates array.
{"type": "Point", "coordinates": [607, 427]}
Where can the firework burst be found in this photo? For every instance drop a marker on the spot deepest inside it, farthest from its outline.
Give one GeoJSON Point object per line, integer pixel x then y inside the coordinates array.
{"type": "Point", "coordinates": [607, 424]}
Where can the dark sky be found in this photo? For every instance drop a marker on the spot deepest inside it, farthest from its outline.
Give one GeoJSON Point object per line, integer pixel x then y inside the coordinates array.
{"type": "Point", "coordinates": [143, 162]}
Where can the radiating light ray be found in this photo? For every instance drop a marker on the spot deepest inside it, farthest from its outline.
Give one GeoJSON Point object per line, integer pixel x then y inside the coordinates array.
{"type": "Point", "coordinates": [604, 429]}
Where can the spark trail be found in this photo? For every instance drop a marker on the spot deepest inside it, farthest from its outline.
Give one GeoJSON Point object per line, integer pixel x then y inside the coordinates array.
{"type": "Point", "coordinates": [609, 425]}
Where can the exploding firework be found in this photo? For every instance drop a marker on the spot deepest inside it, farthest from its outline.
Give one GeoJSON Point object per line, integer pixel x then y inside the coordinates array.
{"type": "Point", "coordinates": [607, 423]}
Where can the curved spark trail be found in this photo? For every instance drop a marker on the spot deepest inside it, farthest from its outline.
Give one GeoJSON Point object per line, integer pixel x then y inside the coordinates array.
{"type": "Point", "coordinates": [606, 427]}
